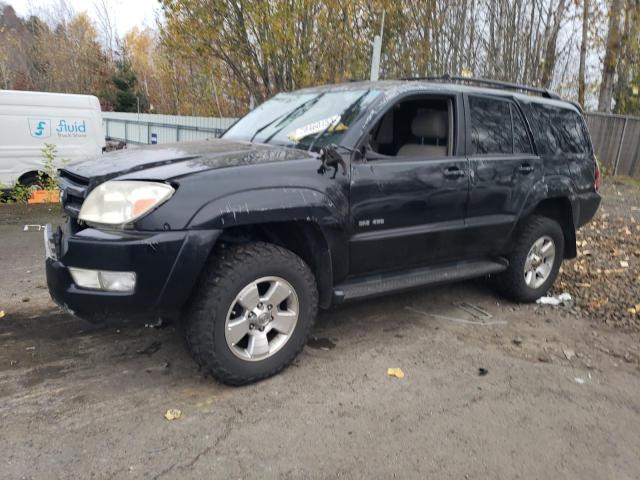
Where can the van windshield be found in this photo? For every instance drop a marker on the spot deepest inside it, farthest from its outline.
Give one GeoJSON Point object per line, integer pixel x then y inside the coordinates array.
{"type": "Point", "coordinates": [303, 119]}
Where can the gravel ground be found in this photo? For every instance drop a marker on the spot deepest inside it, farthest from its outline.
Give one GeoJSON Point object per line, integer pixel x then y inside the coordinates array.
{"type": "Point", "coordinates": [559, 398]}
{"type": "Point", "coordinates": [604, 280]}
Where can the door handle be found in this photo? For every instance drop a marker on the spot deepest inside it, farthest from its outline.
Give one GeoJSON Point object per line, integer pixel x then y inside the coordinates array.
{"type": "Point", "coordinates": [453, 172]}
{"type": "Point", "coordinates": [525, 168]}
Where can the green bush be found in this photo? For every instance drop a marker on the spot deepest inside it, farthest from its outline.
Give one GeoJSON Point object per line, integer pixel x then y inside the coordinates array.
{"type": "Point", "coordinates": [48, 177]}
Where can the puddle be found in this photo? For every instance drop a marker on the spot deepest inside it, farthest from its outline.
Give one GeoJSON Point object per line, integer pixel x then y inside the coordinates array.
{"type": "Point", "coordinates": [321, 343]}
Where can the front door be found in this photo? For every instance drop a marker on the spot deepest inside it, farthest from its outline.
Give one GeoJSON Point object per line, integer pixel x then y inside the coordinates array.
{"type": "Point", "coordinates": [408, 204]}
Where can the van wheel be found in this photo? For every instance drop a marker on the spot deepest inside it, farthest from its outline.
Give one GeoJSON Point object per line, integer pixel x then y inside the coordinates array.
{"type": "Point", "coordinates": [251, 313]}
{"type": "Point", "coordinates": [534, 261]}
{"type": "Point", "coordinates": [31, 181]}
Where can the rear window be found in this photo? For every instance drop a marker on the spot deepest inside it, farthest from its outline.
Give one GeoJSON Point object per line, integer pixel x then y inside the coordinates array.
{"type": "Point", "coordinates": [562, 131]}
{"type": "Point", "coordinates": [497, 127]}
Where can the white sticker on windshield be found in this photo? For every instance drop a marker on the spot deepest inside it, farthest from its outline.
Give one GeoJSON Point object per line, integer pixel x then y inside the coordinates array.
{"type": "Point", "coordinates": [315, 127]}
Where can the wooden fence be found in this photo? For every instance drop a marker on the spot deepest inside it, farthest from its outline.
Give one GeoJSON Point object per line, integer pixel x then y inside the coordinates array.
{"type": "Point", "coordinates": [616, 139]}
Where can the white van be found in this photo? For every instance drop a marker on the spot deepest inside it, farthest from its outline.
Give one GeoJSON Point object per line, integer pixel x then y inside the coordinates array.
{"type": "Point", "coordinates": [28, 120]}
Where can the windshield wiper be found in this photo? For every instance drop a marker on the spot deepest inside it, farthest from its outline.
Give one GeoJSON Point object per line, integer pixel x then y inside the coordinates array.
{"type": "Point", "coordinates": [331, 124]}
{"type": "Point", "coordinates": [291, 113]}
{"type": "Point", "coordinates": [347, 110]}
{"type": "Point", "coordinates": [284, 116]}
{"type": "Point", "coordinates": [265, 126]}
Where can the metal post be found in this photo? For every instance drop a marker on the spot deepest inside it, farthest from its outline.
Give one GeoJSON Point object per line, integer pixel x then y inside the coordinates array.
{"type": "Point", "coordinates": [624, 130]}
{"type": "Point", "coordinates": [177, 133]}
{"type": "Point", "coordinates": [126, 132]}
{"type": "Point", "coordinates": [377, 51]}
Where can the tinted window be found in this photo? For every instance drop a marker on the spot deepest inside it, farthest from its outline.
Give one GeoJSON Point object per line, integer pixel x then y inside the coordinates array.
{"type": "Point", "coordinates": [490, 126]}
{"type": "Point", "coordinates": [521, 141]}
{"type": "Point", "coordinates": [562, 130]}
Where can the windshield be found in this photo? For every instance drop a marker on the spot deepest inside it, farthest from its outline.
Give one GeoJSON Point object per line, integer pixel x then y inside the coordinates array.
{"type": "Point", "coordinates": [303, 120]}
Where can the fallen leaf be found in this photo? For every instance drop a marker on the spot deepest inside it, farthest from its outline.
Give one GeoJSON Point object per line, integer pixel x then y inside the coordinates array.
{"type": "Point", "coordinates": [395, 372]}
{"type": "Point", "coordinates": [624, 264]}
{"type": "Point", "coordinates": [1, 313]}
{"type": "Point", "coordinates": [173, 414]}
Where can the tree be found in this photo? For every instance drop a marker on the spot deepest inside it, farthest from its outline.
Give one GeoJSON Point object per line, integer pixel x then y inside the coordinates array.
{"type": "Point", "coordinates": [126, 96]}
{"type": "Point", "coordinates": [610, 58]}
{"type": "Point", "coordinates": [583, 51]}
{"type": "Point", "coordinates": [628, 60]}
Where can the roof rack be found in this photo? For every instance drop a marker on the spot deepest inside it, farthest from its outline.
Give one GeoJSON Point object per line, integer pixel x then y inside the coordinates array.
{"type": "Point", "coordinates": [489, 83]}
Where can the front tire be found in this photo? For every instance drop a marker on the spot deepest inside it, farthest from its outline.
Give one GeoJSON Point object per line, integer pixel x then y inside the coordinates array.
{"type": "Point", "coordinates": [252, 312]}
{"type": "Point", "coordinates": [534, 261]}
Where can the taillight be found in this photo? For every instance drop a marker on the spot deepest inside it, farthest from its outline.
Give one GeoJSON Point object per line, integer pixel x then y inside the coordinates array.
{"type": "Point", "coordinates": [597, 177]}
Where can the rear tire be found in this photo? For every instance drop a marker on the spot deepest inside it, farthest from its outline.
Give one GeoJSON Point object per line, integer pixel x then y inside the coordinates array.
{"type": "Point", "coordinates": [228, 323]}
{"type": "Point", "coordinates": [534, 261]}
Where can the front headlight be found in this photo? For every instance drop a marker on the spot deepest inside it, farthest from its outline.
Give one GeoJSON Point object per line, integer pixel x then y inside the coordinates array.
{"type": "Point", "coordinates": [121, 202]}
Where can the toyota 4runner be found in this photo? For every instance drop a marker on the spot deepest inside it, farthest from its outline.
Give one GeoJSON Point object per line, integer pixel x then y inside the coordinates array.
{"type": "Point", "coordinates": [321, 196]}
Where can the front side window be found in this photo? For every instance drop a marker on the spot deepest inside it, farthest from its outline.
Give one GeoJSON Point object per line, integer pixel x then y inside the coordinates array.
{"type": "Point", "coordinates": [419, 127]}
{"type": "Point", "coordinates": [303, 119]}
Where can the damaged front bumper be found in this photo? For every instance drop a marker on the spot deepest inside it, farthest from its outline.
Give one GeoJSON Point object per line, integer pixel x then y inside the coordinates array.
{"type": "Point", "coordinates": [166, 266]}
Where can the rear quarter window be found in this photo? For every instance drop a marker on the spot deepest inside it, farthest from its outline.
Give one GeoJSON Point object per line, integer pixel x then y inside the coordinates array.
{"type": "Point", "coordinates": [562, 131]}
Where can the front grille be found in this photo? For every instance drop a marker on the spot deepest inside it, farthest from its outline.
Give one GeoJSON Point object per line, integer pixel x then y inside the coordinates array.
{"type": "Point", "coordinates": [74, 191]}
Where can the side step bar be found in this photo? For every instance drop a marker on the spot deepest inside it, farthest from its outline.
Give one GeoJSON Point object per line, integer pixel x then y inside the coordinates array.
{"type": "Point", "coordinates": [381, 284]}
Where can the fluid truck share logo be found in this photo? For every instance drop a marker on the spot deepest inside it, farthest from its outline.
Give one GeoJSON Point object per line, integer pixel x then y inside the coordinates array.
{"type": "Point", "coordinates": [40, 127]}
{"type": "Point", "coordinates": [71, 128]}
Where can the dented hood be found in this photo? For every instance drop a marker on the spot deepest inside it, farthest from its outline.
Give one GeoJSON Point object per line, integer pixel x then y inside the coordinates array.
{"type": "Point", "coordinates": [172, 160]}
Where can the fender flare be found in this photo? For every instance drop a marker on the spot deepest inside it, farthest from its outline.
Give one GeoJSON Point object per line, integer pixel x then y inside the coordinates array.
{"type": "Point", "coordinates": [549, 188]}
{"type": "Point", "coordinates": [555, 188]}
{"type": "Point", "coordinates": [291, 204]}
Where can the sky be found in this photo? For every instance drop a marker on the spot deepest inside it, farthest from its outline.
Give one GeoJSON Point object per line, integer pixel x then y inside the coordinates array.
{"type": "Point", "coordinates": [125, 13]}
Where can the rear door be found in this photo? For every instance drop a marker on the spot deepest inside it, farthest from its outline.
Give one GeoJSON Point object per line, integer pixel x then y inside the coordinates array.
{"type": "Point", "coordinates": [503, 170]}
{"type": "Point", "coordinates": [409, 210]}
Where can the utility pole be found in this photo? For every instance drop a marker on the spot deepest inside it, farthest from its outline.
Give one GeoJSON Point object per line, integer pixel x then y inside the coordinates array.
{"type": "Point", "coordinates": [377, 50]}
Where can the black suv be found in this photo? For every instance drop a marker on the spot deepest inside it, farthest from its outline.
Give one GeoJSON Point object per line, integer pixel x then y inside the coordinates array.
{"type": "Point", "coordinates": [320, 196]}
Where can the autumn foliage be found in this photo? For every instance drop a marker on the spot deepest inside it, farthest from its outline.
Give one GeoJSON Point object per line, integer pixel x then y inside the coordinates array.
{"type": "Point", "coordinates": [217, 57]}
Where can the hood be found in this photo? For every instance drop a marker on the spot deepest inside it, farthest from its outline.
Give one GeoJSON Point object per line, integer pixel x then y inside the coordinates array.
{"type": "Point", "coordinates": [183, 158]}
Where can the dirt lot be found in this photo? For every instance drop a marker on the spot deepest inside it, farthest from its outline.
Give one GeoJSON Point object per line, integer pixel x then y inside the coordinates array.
{"type": "Point", "coordinates": [560, 399]}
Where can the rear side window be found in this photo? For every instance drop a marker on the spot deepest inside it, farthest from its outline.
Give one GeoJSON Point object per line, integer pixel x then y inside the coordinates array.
{"type": "Point", "coordinates": [562, 130]}
{"type": "Point", "coordinates": [497, 127]}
